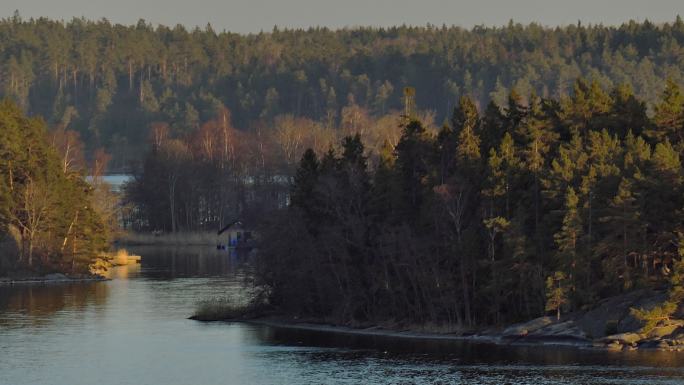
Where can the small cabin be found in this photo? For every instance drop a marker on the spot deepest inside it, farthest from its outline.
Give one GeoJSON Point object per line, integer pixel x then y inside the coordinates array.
{"type": "Point", "coordinates": [233, 236]}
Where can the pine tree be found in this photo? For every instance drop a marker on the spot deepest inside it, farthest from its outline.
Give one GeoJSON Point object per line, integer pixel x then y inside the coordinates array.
{"type": "Point", "coordinates": [662, 197]}
{"type": "Point", "coordinates": [503, 167]}
{"type": "Point", "coordinates": [521, 276]}
{"type": "Point", "coordinates": [568, 240]}
{"type": "Point", "coordinates": [465, 116]}
{"type": "Point", "coordinates": [604, 154]}
{"type": "Point", "coordinates": [666, 161]}
{"type": "Point", "coordinates": [468, 150]}
{"type": "Point", "coordinates": [515, 112]}
{"type": "Point", "coordinates": [494, 227]}
{"type": "Point", "coordinates": [636, 154]}
{"type": "Point", "coordinates": [556, 293]}
{"type": "Point", "coordinates": [627, 113]}
{"type": "Point", "coordinates": [495, 185]}
{"type": "Point", "coordinates": [587, 109]}
{"type": "Point", "coordinates": [622, 234]}
{"type": "Point", "coordinates": [566, 170]}
{"type": "Point", "coordinates": [663, 312]}
{"type": "Point", "coordinates": [669, 115]}
{"type": "Point", "coordinates": [466, 123]}
{"type": "Point", "coordinates": [537, 137]}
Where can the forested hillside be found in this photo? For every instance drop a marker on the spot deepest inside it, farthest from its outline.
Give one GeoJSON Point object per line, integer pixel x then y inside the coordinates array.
{"type": "Point", "coordinates": [110, 82]}
{"type": "Point", "coordinates": [555, 181]}
{"type": "Point", "coordinates": [504, 214]}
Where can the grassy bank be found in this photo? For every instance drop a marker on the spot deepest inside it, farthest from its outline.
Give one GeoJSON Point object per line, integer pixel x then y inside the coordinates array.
{"type": "Point", "coordinates": [180, 238]}
{"type": "Point", "coordinates": [226, 309]}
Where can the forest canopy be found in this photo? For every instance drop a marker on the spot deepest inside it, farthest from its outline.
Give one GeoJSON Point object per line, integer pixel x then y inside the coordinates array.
{"type": "Point", "coordinates": [111, 83]}
{"type": "Point", "coordinates": [554, 181]}
{"type": "Point", "coordinates": [504, 214]}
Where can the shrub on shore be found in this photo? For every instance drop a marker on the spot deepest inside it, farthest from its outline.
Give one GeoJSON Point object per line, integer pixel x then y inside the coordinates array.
{"type": "Point", "coordinates": [224, 309]}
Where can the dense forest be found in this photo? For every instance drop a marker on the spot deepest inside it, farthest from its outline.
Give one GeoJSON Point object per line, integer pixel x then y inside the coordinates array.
{"type": "Point", "coordinates": [111, 83]}
{"type": "Point", "coordinates": [51, 219]}
{"type": "Point", "coordinates": [540, 192]}
{"type": "Point", "coordinates": [504, 214]}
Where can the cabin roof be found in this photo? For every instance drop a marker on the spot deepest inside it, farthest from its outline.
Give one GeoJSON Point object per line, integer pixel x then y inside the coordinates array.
{"type": "Point", "coordinates": [228, 226]}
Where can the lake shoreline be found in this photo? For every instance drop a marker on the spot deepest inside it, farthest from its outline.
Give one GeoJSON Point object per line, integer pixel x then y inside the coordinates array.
{"type": "Point", "coordinates": [181, 238]}
{"type": "Point", "coordinates": [609, 326]}
{"type": "Point", "coordinates": [50, 279]}
{"type": "Point", "coordinates": [496, 338]}
{"type": "Point", "coordinates": [500, 337]}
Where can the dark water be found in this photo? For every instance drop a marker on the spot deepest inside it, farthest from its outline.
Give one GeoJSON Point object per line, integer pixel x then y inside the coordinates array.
{"type": "Point", "coordinates": [133, 330]}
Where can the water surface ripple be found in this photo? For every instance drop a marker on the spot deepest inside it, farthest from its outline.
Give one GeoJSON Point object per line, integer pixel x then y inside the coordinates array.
{"type": "Point", "coordinates": [133, 330]}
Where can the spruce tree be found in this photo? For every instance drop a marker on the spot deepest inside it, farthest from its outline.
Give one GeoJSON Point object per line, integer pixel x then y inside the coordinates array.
{"type": "Point", "coordinates": [412, 163]}
{"type": "Point", "coordinates": [491, 127]}
{"type": "Point", "coordinates": [304, 190]}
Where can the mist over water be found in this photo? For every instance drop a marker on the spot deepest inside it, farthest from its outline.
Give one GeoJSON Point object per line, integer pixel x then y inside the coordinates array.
{"type": "Point", "coordinates": [134, 330]}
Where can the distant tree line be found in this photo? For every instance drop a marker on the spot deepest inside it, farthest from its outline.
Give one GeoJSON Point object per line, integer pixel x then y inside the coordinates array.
{"type": "Point", "coordinates": [51, 219]}
{"type": "Point", "coordinates": [111, 83]}
{"type": "Point", "coordinates": [542, 204]}
{"type": "Point", "coordinates": [216, 174]}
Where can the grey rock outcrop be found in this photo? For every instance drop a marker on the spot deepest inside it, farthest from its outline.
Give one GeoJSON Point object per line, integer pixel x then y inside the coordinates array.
{"type": "Point", "coordinates": [525, 328]}
{"type": "Point", "coordinates": [610, 325]}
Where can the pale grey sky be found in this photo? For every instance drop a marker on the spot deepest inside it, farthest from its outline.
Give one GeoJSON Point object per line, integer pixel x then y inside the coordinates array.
{"type": "Point", "coordinates": [256, 15]}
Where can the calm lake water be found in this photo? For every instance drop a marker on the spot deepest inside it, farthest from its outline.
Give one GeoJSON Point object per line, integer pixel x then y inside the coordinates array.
{"type": "Point", "coordinates": [133, 330]}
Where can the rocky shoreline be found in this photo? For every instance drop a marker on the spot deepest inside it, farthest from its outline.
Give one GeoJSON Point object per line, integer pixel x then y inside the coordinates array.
{"type": "Point", "coordinates": [667, 337]}
{"type": "Point", "coordinates": [54, 278]}
{"type": "Point", "coordinates": [609, 326]}
{"type": "Point", "coordinates": [550, 335]}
